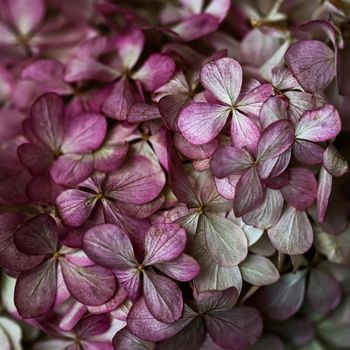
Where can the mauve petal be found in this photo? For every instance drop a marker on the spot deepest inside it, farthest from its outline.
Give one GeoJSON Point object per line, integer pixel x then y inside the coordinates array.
{"type": "Point", "coordinates": [72, 169]}
{"type": "Point", "coordinates": [307, 152]}
{"type": "Point", "coordinates": [72, 316]}
{"type": "Point", "coordinates": [281, 300]}
{"type": "Point", "coordinates": [142, 324]}
{"type": "Point", "coordinates": [130, 279]}
{"type": "Point", "coordinates": [92, 325]}
{"type": "Point", "coordinates": [108, 245]}
{"type": "Point", "coordinates": [227, 186]}
{"type": "Point", "coordinates": [141, 112]}
{"type": "Point", "coordinates": [323, 291]}
{"type": "Point", "coordinates": [223, 79]}
{"type": "Point", "coordinates": [84, 133]}
{"type": "Point", "coordinates": [80, 69]}
{"type": "Point", "coordinates": [37, 236]}
{"type": "Point", "coordinates": [226, 242]}
{"type": "Point", "coordinates": [301, 190]}
{"type": "Point", "coordinates": [110, 156]}
{"type": "Point", "coordinates": [36, 290]}
{"type": "Point", "coordinates": [124, 340]}
{"type": "Point", "coordinates": [162, 296]}
{"type": "Point", "coordinates": [92, 285]}
{"type": "Point", "coordinates": [273, 167]}
{"type": "Point", "coordinates": [75, 206]}
{"type": "Point", "coordinates": [47, 120]}
{"type": "Point", "coordinates": [334, 162]}
{"type": "Point", "coordinates": [268, 212]}
{"type": "Point", "coordinates": [218, 8]}
{"type": "Point", "coordinates": [321, 124]}
{"type": "Point", "coordinates": [299, 103]}
{"type": "Point", "coordinates": [10, 257]}
{"type": "Point", "coordinates": [130, 46]}
{"type": "Point", "coordinates": [26, 15]}
{"type": "Point", "coordinates": [201, 122]}
{"type": "Point", "coordinates": [293, 232]}
{"type": "Point", "coordinates": [258, 270]}
{"type": "Point", "coordinates": [236, 329]}
{"type": "Point", "coordinates": [244, 132]}
{"type": "Point", "coordinates": [117, 105]}
{"type": "Point", "coordinates": [230, 161]}
{"type": "Point", "coordinates": [325, 182]}
{"type": "Point", "coordinates": [142, 211]}
{"type": "Point", "coordinates": [184, 268]}
{"type": "Point", "coordinates": [170, 107]}
{"type": "Point", "coordinates": [137, 182]}
{"type": "Point", "coordinates": [34, 158]}
{"type": "Point", "coordinates": [274, 109]}
{"type": "Point", "coordinates": [312, 63]}
{"type": "Point", "coordinates": [275, 139]}
{"type": "Point", "coordinates": [155, 72]}
{"type": "Point", "coordinates": [164, 242]}
{"type": "Point", "coordinates": [243, 203]}
{"type": "Point", "coordinates": [196, 26]}
{"type": "Point", "coordinates": [270, 341]}
{"type": "Point", "coordinates": [215, 300]}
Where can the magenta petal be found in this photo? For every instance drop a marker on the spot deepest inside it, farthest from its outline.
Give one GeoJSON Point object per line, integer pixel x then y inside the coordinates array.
{"type": "Point", "coordinates": [162, 296]}
{"type": "Point", "coordinates": [75, 206]}
{"type": "Point", "coordinates": [156, 71]}
{"type": "Point", "coordinates": [241, 326]}
{"type": "Point", "coordinates": [275, 108]}
{"type": "Point", "coordinates": [230, 161]}
{"type": "Point", "coordinates": [110, 156]}
{"type": "Point", "coordinates": [35, 158]}
{"type": "Point", "coordinates": [36, 290]}
{"type": "Point", "coordinates": [312, 63]}
{"type": "Point", "coordinates": [47, 120]}
{"type": "Point", "coordinates": [184, 268]}
{"type": "Point", "coordinates": [164, 242]}
{"type": "Point", "coordinates": [227, 186]}
{"type": "Point", "coordinates": [274, 167]}
{"type": "Point", "coordinates": [293, 232]}
{"type": "Point", "coordinates": [308, 152]}
{"type": "Point", "coordinates": [301, 190]}
{"type": "Point", "coordinates": [92, 325]}
{"type": "Point", "coordinates": [92, 285]}
{"type": "Point", "coordinates": [170, 107]}
{"type": "Point", "coordinates": [196, 26]}
{"type": "Point", "coordinates": [276, 139]}
{"type": "Point", "coordinates": [223, 79]}
{"type": "Point", "coordinates": [84, 133]}
{"type": "Point", "coordinates": [141, 112]}
{"type": "Point", "coordinates": [72, 169]}
{"type": "Point", "coordinates": [201, 122]}
{"type": "Point", "coordinates": [37, 236]}
{"type": "Point", "coordinates": [137, 182]}
{"type": "Point", "coordinates": [142, 324]}
{"type": "Point", "coordinates": [325, 181]}
{"type": "Point", "coordinates": [244, 132]}
{"type": "Point", "coordinates": [242, 203]}
{"type": "Point", "coordinates": [109, 246]}
{"type": "Point", "coordinates": [117, 105]}
{"type": "Point", "coordinates": [319, 125]}
{"type": "Point", "coordinates": [217, 300]}
{"type": "Point", "coordinates": [10, 257]}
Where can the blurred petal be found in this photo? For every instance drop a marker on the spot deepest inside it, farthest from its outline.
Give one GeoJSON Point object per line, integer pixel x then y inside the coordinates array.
{"type": "Point", "coordinates": [124, 340]}
{"type": "Point", "coordinates": [333, 161]}
{"type": "Point", "coordinates": [325, 181]}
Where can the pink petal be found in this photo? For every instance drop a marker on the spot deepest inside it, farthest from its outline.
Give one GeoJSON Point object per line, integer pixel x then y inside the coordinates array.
{"type": "Point", "coordinates": [312, 63]}
{"type": "Point", "coordinates": [319, 125]}
{"type": "Point", "coordinates": [164, 242]}
{"type": "Point", "coordinates": [110, 156]}
{"type": "Point", "coordinates": [276, 139]}
{"type": "Point", "coordinates": [223, 79]}
{"type": "Point", "coordinates": [92, 325]}
{"type": "Point", "coordinates": [72, 169]}
{"type": "Point", "coordinates": [142, 324]}
{"type": "Point", "coordinates": [26, 15]}
{"type": "Point", "coordinates": [92, 285]}
{"type": "Point", "coordinates": [163, 297]}
{"type": "Point", "coordinates": [293, 233]}
{"type": "Point", "coordinates": [334, 162]}
{"type": "Point", "coordinates": [117, 105]}
{"type": "Point", "coordinates": [325, 181]}
{"type": "Point", "coordinates": [72, 317]}
{"type": "Point", "coordinates": [170, 107]}
{"type": "Point", "coordinates": [274, 167]}
{"type": "Point", "coordinates": [299, 103]}
{"type": "Point", "coordinates": [301, 190]}
{"type": "Point", "coordinates": [75, 206]}
{"type": "Point", "coordinates": [47, 120]}
{"type": "Point", "coordinates": [184, 268]}
{"type": "Point", "coordinates": [156, 71]}
{"type": "Point", "coordinates": [37, 236]}
{"type": "Point", "coordinates": [244, 203]}
{"type": "Point", "coordinates": [244, 132]}
{"type": "Point", "coordinates": [196, 26]}
{"type": "Point", "coordinates": [36, 290]}
{"type": "Point", "coordinates": [225, 241]}
{"type": "Point", "coordinates": [308, 152]}
{"type": "Point", "coordinates": [137, 182]}
{"type": "Point", "coordinates": [201, 122]}
{"type": "Point", "coordinates": [140, 112]}
{"type": "Point", "coordinates": [218, 8]}
{"type": "Point", "coordinates": [274, 109]}
{"type": "Point", "coordinates": [84, 133]}
{"type": "Point", "coordinates": [227, 186]}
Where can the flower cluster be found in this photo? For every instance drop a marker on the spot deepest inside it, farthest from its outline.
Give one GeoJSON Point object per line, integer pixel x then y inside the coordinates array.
{"type": "Point", "coordinates": [172, 175]}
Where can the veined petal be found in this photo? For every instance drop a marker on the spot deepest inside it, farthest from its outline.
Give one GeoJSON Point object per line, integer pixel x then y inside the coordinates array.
{"type": "Point", "coordinates": [274, 109]}
{"type": "Point", "coordinates": [333, 161]}
{"type": "Point", "coordinates": [215, 300]}
{"type": "Point", "coordinates": [308, 152]}
{"type": "Point", "coordinates": [201, 122]}
{"type": "Point", "coordinates": [140, 112]}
